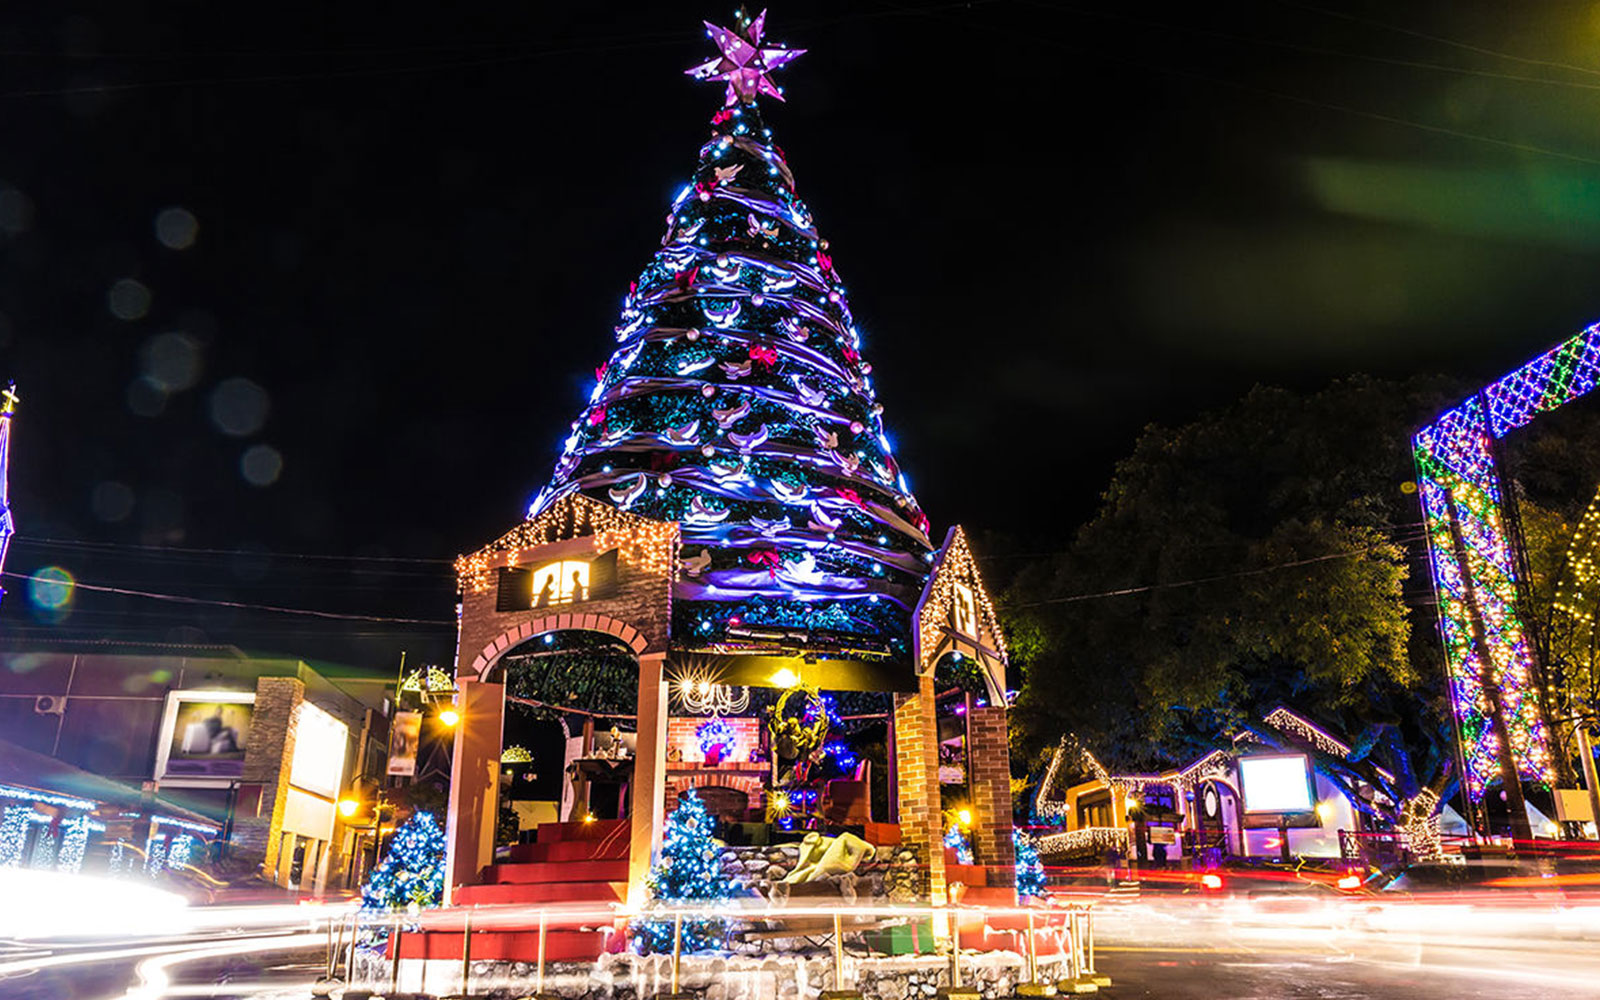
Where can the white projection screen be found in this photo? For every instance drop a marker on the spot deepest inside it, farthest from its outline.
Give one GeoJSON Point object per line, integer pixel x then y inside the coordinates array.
{"type": "Point", "coordinates": [1276, 784]}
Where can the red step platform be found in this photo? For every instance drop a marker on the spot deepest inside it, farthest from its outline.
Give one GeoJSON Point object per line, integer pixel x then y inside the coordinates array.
{"type": "Point", "coordinates": [997, 930]}
{"type": "Point", "coordinates": [576, 871]}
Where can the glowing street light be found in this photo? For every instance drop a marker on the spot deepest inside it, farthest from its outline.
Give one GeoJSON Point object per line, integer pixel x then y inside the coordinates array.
{"type": "Point", "coordinates": [449, 717]}
{"type": "Point", "coordinates": [348, 807]}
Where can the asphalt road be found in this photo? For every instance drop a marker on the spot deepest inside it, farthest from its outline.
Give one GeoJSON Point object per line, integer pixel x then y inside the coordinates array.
{"type": "Point", "coordinates": [1171, 951]}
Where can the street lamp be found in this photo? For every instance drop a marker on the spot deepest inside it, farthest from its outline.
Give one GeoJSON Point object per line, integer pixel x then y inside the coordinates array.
{"type": "Point", "coordinates": [348, 807]}
{"type": "Point", "coordinates": [449, 717]}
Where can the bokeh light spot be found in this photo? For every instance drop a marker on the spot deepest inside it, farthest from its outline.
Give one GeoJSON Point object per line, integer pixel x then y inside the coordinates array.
{"type": "Point", "coordinates": [176, 228]}
{"type": "Point", "coordinates": [260, 465]}
{"type": "Point", "coordinates": [172, 361]}
{"type": "Point", "coordinates": [50, 587]}
{"type": "Point", "coordinates": [128, 299]}
{"type": "Point", "coordinates": [16, 211]}
{"type": "Point", "coordinates": [111, 501]}
{"type": "Point", "coordinates": [239, 407]}
{"type": "Point", "coordinates": [145, 397]}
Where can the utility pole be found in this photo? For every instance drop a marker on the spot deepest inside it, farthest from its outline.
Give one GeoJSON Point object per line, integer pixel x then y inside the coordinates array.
{"type": "Point", "coordinates": [1510, 781]}
{"type": "Point", "coordinates": [1590, 781]}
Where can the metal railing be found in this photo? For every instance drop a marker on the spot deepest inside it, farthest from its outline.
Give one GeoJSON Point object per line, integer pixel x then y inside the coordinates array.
{"type": "Point", "coordinates": [1060, 935]}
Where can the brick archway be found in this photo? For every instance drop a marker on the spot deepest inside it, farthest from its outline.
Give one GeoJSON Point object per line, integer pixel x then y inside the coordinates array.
{"type": "Point", "coordinates": [486, 660]}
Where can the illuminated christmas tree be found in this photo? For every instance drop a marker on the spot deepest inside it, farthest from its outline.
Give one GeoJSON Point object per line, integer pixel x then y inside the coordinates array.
{"type": "Point", "coordinates": [412, 872]}
{"type": "Point", "coordinates": [1030, 871]}
{"type": "Point", "coordinates": [689, 873]}
{"type": "Point", "coordinates": [738, 404]}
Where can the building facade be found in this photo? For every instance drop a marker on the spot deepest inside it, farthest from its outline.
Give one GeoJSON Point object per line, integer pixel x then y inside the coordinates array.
{"type": "Point", "coordinates": [263, 746]}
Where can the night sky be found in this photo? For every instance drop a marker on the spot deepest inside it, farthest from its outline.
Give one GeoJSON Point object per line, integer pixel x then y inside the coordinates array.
{"type": "Point", "coordinates": [289, 282]}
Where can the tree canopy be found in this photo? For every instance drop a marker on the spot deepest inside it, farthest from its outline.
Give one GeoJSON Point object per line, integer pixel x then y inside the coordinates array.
{"type": "Point", "coordinates": [1268, 552]}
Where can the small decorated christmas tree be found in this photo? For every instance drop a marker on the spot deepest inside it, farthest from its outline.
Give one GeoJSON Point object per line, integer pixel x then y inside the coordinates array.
{"type": "Point", "coordinates": [1030, 872]}
{"type": "Point", "coordinates": [412, 872]}
{"type": "Point", "coordinates": [688, 874]}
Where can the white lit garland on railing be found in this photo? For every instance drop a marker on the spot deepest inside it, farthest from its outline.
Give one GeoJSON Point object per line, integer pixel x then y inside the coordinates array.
{"type": "Point", "coordinates": [1090, 838]}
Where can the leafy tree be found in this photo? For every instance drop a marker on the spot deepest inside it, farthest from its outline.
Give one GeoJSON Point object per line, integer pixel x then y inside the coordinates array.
{"type": "Point", "coordinates": [1261, 554]}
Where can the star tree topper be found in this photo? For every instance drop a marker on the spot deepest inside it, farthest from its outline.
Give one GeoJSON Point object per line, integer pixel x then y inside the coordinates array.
{"type": "Point", "coordinates": [743, 62]}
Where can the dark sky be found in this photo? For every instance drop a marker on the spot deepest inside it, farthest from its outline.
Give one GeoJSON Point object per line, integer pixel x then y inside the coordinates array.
{"type": "Point", "coordinates": [402, 235]}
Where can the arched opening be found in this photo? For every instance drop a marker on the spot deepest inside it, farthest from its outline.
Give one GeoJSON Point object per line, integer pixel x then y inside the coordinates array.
{"type": "Point", "coordinates": [568, 736]}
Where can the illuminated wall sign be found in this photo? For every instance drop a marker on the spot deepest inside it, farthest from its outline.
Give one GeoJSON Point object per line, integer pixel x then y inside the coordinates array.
{"type": "Point", "coordinates": [319, 746]}
{"type": "Point", "coordinates": [315, 773]}
{"type": "Point", "coordinates": [964, 610]}
{"type": "Point", "coordinates": [204, 734]}
{"type": "Point", "coordinates": [551, 584]}
{"type": "Point", "coordinates": [1278, 783]}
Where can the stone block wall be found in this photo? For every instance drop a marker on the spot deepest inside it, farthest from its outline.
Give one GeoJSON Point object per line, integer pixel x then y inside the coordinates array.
{"type": "Point", "coordinates": [892, 876]}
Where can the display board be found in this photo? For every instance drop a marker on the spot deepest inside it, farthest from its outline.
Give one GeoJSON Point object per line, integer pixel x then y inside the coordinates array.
{"type": "Point", "coordinates": [1276, 783]}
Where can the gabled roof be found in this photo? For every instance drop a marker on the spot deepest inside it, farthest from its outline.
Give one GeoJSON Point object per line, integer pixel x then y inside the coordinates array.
{"type": "Point", "coordinates": [955, 563]}
{"type": "Point", "coordinates": [574, 515]}
{"type": "Point", "coordinates": [26, 769]}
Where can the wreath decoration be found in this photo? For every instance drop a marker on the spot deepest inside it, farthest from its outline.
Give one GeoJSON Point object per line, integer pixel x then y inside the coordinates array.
{"type": "Point", "coordinates": [792, 737]}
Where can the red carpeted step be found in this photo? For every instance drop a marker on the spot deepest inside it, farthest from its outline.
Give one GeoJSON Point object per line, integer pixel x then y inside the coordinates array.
{"type": "Point", "coordinates": [600, 829]}
{"type": "Point", "coordinates": [571, 850]}
{"type": "Point", "coordinates": [558, 871]}
{"type": "Point", "coordinates": [979, 895]}
{"type": "Point", "coordinates": [981, 939]}
{"type": "Point", "coordinates": [519, 946]}
{"type": "Point", "coordinates": [501, 893]}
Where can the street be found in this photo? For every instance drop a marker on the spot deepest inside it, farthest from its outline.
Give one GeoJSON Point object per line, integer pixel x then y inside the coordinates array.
{"type": "Point", "coordinates": [1175, 949]}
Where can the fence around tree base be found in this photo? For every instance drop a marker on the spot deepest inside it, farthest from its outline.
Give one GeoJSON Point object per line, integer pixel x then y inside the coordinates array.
{"type": "Point", "coordinates": [365, 950]}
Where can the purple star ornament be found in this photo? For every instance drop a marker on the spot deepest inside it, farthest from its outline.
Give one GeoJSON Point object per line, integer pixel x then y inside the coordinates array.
{"type": "Point", "coordinates": [744, 64]}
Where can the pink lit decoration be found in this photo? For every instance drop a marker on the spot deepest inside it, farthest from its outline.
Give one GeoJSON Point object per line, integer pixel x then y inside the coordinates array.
{"type": "Point", "coordinates": [8, 406]}
{"type": "Point", "coordinates": [744, 64]}
{"type": "Point", "coordinates": [1459, 484]}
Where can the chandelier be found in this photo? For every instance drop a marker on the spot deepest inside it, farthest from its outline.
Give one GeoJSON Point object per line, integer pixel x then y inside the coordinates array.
{"type": "Point", "coordinates": [699, 693]}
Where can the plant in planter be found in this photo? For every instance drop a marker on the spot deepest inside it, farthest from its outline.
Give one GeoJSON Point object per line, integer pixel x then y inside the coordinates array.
{"type": "Point", "coordinates": [716, 739]}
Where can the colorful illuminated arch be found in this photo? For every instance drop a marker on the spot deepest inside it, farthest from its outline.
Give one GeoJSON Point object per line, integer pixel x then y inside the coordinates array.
{"type": "Point", "coordinates": [1474, 561]}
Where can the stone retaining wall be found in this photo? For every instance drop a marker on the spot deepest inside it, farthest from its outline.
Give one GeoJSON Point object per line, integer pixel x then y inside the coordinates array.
{"type": "Point", "coordinates": [714, 977]}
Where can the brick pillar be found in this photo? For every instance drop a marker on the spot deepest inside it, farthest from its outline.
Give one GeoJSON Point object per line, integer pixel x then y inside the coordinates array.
{"type": "Point", "coordinates": [267, 757]}
{"type": "Point", "coordinates": [916, 764]}
{"type": "Point", "coordinates": [989, 786]}
{"type": "Point", "coordinates": [474, 783]}
{"type": "Point", "coordinates": [649, 775]}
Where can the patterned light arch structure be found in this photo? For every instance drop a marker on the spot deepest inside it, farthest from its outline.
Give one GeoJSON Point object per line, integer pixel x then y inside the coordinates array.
{"type": "Point", "coordinates": [1489, 657]}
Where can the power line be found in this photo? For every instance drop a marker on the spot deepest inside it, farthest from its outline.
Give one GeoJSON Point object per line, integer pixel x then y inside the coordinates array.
{"type": "Point", "coordinates": [1331, 53]}
{"type": "Point", "coordinates": [258, 553]}
{"type": "Point", "coordinates": [1345, 109]}
{"type": "Point", "coordinates": [1200, 580]}
{"type": "Point", "coordinates": [183, 599]}
{"type": "Point", "coordinates": [1442, 40]}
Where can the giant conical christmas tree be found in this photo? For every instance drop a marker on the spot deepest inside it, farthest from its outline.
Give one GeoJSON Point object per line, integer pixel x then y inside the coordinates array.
{"type": "Point", "coordinates": [738, 404]}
